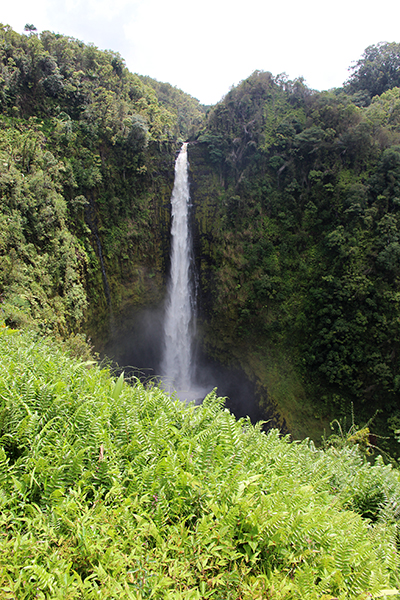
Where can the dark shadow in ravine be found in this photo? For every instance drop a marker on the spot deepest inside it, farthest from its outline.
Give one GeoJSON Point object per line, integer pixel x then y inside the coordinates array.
{"type": "Point", "coordinates": [232, 383]}
{"type": "Point", "coordinates": [136, 347]}
{"type": "Point", "coordinates": [135, 343]}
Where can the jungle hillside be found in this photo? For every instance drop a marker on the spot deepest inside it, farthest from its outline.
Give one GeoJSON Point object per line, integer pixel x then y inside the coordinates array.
{"type": "Point", "coordinates": [295, 219]}
{"type": "Point", "coordinates": [109, 487]}
{"type": "Point", "coordinates": [297, 215]}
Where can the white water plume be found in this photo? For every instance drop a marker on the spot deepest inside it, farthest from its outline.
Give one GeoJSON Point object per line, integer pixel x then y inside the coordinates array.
{"type": "Point", "coordinates": [179, 322]}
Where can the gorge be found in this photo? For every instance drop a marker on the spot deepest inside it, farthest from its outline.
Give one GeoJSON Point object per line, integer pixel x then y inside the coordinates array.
{"type": "Point", "coordinates": [294, 221]}
{"type": "Point", "coordinates": [161, 344]}
{"type": "Point", "coordinates": [153, 249]}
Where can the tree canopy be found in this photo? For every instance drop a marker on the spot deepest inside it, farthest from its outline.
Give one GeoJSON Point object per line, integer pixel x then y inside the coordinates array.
{"type": "Point", "coordinates": [302, 245]}
{"type": "Point", "coordinates": [377, 71]}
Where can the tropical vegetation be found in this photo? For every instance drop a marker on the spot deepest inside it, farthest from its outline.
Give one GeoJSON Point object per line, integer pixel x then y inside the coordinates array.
{"type": "Point", "coordinates": [116, 490]}
{"type": "Point", "coordinates": [111, 488]}
{"type": "Point", "coordinates": [296, 226]}
{"type": "Point", "coordinates": [297, 207]}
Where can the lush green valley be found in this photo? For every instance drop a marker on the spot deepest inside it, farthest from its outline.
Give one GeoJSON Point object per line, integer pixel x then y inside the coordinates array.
{"type": "Point", "coordinates": [295, 222]}
{"type": "Point", "coordinates": [108, 487]}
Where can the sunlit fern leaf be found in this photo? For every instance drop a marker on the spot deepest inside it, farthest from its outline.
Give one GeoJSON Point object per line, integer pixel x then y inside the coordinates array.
{"type": "Point", "coordinates": [231, 516]}
{"type": "Point", "coordinates": [26, 429]}
{"type": "Point", "coordinates": [4, 468]}
{"type": "Point", "coordinates": [213, 403]}
{"type": "Point", "coordinates": [76, 465]}
{"type": "Point", "coordinates": [230, 435]}
{"type": "Point", "coordinates": [205, 448]}
{"type": "Point", "coordinates": [117, 389]}
{"type": "Point", "coordinates": [306, 579]}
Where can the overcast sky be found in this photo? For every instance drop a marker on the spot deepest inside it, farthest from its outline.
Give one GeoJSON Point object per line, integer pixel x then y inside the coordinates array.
{"type": "Point", "coordinates": [204, 47]}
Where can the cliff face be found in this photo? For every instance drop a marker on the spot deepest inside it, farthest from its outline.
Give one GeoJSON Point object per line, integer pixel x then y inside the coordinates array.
{"type": "Point", "coordinates": [135, 246]}
{"type": "Point", "coordinates": [223, 270]}
{"type": "Point", "coordinates": [86, 172]}
{"type": "Point", "coordinates": [297, 229]}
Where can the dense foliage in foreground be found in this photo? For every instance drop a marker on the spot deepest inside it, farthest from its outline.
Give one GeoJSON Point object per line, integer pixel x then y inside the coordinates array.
{"type": "Point", "coordinates": [117, 491]}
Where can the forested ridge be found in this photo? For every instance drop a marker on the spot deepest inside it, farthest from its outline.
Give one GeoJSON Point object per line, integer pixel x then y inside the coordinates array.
{"type": "Point", "coordinates": [297, 203]}
{"type": "Point", "coordinates": [86, 171]}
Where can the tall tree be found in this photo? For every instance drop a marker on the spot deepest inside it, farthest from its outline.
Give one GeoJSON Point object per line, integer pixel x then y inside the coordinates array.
{"type": "Point", "coordinates": [377, 71]}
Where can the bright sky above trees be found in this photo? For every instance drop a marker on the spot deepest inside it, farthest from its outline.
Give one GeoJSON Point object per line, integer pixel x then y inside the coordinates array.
{"type": "Point", "coordinates": [205, 47]}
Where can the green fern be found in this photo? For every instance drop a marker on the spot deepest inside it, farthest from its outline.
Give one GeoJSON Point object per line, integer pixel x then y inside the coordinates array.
{"type": "Point", "coordinates": [133, 494]}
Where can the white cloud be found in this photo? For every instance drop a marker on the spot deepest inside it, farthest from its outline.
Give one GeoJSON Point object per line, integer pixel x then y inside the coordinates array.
{"type": "Point", "coordinates": [205, 47]}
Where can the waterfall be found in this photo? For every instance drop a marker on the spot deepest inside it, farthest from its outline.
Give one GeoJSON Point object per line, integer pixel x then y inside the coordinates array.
{"type": "Point", "coordinates": [176, 364]}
